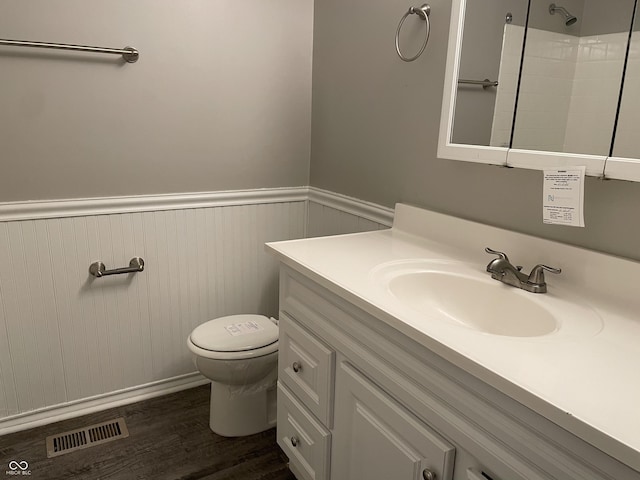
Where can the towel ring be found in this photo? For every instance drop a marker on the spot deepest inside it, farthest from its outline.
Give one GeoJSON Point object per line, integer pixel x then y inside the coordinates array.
{"type": "Point", "coordinates": [423, 12]}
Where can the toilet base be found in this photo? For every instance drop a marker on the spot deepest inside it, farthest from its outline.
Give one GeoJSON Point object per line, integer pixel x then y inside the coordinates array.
{"type": "Point", "coordinates": [234, 414]}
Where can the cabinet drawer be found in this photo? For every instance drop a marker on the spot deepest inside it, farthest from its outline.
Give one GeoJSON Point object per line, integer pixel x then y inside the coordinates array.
{"type": "Point", "coordinates": [306, 367]}
{"type": "Point", "coordinates": [302, 438]}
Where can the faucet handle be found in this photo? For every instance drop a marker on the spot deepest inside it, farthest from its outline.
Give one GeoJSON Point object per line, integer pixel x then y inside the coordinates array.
{"type": "Point", "coordinates": [537, 273]}
{"type": "Point", "coordinates": [501, 255]}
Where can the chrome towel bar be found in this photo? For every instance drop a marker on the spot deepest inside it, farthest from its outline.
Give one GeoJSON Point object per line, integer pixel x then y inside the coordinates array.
{"type": "Point", "coordinates": [130, 54]}
{"type": "Point", "coordinates": [98, 269]}
{"type": "Point", "coordinates": [486, 83]}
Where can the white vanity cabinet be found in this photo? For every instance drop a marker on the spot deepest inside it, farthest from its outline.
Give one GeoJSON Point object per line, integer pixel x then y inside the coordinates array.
{"type": "Point", "coordinates": [359, 400]}
{"type": "Point", "coordinates": [373, 437]}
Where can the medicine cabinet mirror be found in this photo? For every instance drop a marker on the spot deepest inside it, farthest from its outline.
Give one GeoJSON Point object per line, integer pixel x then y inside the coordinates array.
{"type": "Point", "coordinates": [626, 146]}
{"type": "Point", "coordinates": [538, 84]}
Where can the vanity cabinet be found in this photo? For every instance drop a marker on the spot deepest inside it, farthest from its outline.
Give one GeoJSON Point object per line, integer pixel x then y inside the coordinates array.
{"type": "Point", "coordinates": [357, 399]}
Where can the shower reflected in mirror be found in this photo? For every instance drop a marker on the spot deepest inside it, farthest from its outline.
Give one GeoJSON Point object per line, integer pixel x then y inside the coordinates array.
{"type": "Point", "coordinates": [571, 76]}
{"type": "Point", "coordinates": [568, 18]}
{"type": "Point", "coordinates": [627, 141]}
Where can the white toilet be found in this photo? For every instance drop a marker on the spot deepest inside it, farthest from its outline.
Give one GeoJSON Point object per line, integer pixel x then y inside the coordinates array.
{"type": "Point", "coordinates": [239, 354]}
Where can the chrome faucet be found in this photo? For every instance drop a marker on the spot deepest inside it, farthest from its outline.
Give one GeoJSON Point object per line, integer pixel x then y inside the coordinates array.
{"type": "Point", "coordinates": [502, 270]}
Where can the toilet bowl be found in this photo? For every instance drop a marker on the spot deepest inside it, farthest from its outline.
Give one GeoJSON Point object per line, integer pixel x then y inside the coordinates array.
{"type": "Point", "coordinates": [239, 354]}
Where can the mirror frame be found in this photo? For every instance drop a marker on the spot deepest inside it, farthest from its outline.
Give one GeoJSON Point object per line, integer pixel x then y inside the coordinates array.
{"type": "Point", "coordinates": [447, 149]}
{"type": "Point", "coordinates": [621, 168]}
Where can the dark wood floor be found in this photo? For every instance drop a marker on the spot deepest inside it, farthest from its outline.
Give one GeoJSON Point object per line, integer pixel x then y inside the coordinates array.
{"type": "Point", "coordinates": [169, 438]}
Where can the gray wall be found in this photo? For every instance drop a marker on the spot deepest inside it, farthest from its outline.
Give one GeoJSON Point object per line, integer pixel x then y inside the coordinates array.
{"type": "Point", "coordinates": [220, 98]}
{"type": "Point", "coordinates": [540, 18]}
{"type": "Point", "coordinates": [610, 16]}
{"type": "Point", "coordinates": [375, 132]}
{"type": "Point", "coordinates": [595, 17]}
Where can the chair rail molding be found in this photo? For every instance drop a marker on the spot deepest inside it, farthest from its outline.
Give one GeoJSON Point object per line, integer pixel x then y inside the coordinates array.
{"type": "Point", "coordinates": [42, 209]}
{"type": "Point", "coordinates": [354, 206]}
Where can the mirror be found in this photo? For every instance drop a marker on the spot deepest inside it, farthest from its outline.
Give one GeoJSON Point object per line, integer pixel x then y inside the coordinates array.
{"type": "Point", "coordinates": [571, 75]}
{"type": "Point", "coordinates": [475, 125]}
{"type": "Point", "coordinates": [559, 71]}
{"type": "Point", "coordinates": [488, 73]}
{"type": "Point", "coordinates": [627, 141]}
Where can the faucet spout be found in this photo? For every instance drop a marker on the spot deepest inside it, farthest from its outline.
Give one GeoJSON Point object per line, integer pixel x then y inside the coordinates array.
{"type": "Point", "coordinates": [501, 269]}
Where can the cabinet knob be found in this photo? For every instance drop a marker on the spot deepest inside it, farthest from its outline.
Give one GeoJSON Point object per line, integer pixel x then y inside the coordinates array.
{"type": "Point", "coordinates": [428, 474]}
{"type": "Point", "coordinates": [296, 367]}
{"type": "Point", "coordinates": [294, 441]}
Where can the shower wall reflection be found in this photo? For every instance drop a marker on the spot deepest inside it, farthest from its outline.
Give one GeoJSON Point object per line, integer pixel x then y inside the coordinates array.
{"type": "Point", "coordinates": [563, 63]}
{"type": "Point", "coordinates": [571, 76]}
{"type": "Point", "coordinates": [627, 141]}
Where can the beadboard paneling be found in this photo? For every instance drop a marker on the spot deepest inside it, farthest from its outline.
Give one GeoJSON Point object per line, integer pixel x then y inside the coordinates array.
{"type": "Point", "coordinates": [66, 336]}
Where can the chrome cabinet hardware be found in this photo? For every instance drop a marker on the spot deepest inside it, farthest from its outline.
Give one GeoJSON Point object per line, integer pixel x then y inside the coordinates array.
{"type": "Point", "coordinates": [428, 474]}
{"type": "Point", "coordinates": [129, 54]}
{"type": "Point", "coordinates": [295, 441]}
{"type": "Point", "coordinates": [98, 269]}
{"type": "Point", "coordinates": [502, 270]}
{"type": "Point", "coordinates": [296, 367]}
{"type": "Point", "coordinates": [422, 12]}
{"type": "Point", "coordinates": [473, 474]}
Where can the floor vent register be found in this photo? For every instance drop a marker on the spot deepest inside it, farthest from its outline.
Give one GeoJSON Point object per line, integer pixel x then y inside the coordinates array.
{"type": "Point", "coordinates": [86, 437]}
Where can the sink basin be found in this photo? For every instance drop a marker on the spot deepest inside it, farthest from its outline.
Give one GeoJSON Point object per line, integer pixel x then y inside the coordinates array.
{"type": "Point", "coordinates": [466, 296]}
{"type": "Point", "coordinates": [473, 303]}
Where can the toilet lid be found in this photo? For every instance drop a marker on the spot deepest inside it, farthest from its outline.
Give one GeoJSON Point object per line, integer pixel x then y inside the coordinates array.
{"type": "Point", "coordinates": [235, 333]}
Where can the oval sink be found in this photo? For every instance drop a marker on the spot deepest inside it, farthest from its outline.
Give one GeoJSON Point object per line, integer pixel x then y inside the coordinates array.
{"type": "Point", "coordinates": [473, 303]}
{"type": "Point", "coordinates": [464, 295]}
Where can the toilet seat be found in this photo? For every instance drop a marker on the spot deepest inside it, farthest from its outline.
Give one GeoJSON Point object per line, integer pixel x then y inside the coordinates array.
{"type": "Point", "coordinates": [214, 355]}
{"type": "Point", "coordinates": [235, 337]}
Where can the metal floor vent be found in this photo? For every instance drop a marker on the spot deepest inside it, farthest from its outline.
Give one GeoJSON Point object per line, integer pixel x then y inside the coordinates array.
{"type": "Point", "coordinates": [86, 437]}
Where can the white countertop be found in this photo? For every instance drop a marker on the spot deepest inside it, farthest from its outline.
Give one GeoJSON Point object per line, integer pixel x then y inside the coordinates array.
{"type": "Point", "coordinates": [588, 383]}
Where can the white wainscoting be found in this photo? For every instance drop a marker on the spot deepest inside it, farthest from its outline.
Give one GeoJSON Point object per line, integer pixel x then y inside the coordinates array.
{"type": "Point", "coordinates": [67, 336]}
{"type": "Point", "coordinates": [71, 344]}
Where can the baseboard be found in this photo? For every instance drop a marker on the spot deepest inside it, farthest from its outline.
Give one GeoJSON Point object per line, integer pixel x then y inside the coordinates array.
{"type": "Point", "coordinates": [98, 403]}
{"type": "Point", "coordinates": [361, 208]}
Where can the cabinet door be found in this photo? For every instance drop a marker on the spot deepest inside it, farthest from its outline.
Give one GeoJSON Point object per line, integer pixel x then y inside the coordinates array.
{"type": "Point", "coordinates": [374, 437]}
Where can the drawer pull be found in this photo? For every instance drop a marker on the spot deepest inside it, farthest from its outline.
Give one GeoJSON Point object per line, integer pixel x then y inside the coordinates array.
{"type": "Point", "coordinates": [428, 474]}
{"type": "Point", "coordinates": [473, 474]}
{"type": "Point", "coordinates": [296, 367]}
{"type": "Point", "coordinates": [294, 441]}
